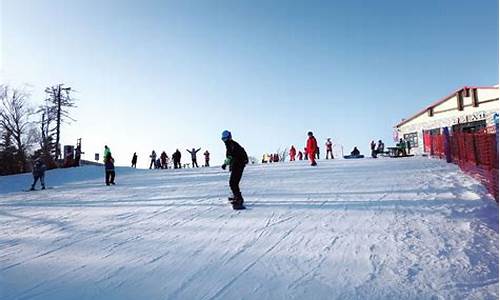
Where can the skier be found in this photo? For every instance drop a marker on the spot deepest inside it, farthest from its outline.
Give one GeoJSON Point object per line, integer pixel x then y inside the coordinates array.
{"type": "Point", "coordinates": [176, 157]}
{"type": "Point", "coordinates": [134, 160]}
{"type": "Point", "coordinates": [236, 159]}
{"type": "Point", "coordinates": [293, 152]}
{"type": "Point", "coordinates": [163, 158]}
{"type": "Point", "coordinates": [193, 156]}
{"type": "Point", "coordinates": [153, 159]}
{"type": "Point", "coordinates": [312, 145]}
{"type": "Point", "coordinates": [207, 158]}
{"type": "Point", "coordinates": [38, 173]}
{"type": "Point", "coordinates": [300, 155]}
{"type": "Point", "coordinates": [373, 149]}
{"type": "Point", "coordinates": [329, 146]}
{"type": "Point", "coordinates": [109, 166]}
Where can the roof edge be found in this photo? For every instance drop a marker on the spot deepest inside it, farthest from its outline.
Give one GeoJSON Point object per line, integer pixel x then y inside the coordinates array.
{"type": "Point", "coordinates": [441, 100]}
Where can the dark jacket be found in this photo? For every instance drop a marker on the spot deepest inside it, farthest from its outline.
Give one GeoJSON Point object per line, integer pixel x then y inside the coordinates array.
{"type": "Point", "coordinates": [236, 154]}
{"type": "Point", "coordinates": [109, 164]}
{"type": "Point", "coordinates": [39, 168]}
{"type": "Point", "coordinates": [176, 156]}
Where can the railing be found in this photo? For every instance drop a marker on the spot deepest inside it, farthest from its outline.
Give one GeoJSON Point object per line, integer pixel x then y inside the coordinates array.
{"type": "Point", "coordinates": [475, 153]}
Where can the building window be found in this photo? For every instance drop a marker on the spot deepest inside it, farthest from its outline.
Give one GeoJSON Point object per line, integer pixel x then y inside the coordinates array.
{"type": "Point", "coordinates": [413, 138]}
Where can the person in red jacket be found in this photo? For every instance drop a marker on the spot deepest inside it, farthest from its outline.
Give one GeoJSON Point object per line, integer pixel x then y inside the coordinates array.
{"type": "Point", "coordinates": [293, 152]}
{"type": "Point", "coordinates": [312, 146]}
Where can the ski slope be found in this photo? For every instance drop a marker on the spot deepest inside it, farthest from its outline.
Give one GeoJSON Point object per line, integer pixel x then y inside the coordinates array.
{"type": "Point", "coordinates": [411, 228]}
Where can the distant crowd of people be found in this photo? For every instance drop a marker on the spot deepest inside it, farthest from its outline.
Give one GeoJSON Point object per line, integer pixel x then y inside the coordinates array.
{"type": "Point", "coordinates": [165, 162]}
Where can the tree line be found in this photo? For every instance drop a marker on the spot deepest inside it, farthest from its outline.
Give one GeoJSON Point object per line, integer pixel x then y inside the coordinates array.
{"type": "Point", "coordinates": [28, 132]}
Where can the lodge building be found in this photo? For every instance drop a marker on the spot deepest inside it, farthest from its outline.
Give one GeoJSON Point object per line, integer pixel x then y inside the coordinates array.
{"type": "Point", "coordinates": [468, 109]}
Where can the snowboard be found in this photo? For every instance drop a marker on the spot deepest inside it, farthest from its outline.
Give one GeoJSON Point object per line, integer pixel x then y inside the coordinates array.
{"type": "Point", "coordinates": [353, 157]}
{"type": "Point", "coordinates": [35, 190]}
{"type": "Point", "coordinates": [231, 199]}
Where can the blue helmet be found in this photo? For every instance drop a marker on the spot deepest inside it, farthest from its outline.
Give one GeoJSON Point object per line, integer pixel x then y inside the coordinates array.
{"type": "Point", "coordinates": [226, 135]}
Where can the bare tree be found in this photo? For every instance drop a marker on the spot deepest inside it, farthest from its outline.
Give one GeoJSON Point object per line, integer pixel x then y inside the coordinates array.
{"type": "Point", "coordinates": [15, 114]}
{"type": "Point", "coordinates": [59, 101]}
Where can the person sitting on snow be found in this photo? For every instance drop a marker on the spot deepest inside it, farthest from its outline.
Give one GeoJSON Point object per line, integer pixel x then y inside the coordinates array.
{"type": "Point", "coordinates": [355, 152]}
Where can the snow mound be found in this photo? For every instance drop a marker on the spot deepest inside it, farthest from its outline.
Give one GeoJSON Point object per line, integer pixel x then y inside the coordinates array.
{"type": "Point", "coordinates": [411, 228]}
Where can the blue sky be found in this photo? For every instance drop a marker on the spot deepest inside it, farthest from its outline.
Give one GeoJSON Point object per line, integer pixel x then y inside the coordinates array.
{"type": "Point", "coordinates": [173, 74]}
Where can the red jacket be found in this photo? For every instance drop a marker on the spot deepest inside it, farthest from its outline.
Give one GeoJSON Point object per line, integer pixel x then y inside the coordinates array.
{"type": "Point", "coordinates": [292, 151]}
{"type": "Point", "coordinates": [312, 145]}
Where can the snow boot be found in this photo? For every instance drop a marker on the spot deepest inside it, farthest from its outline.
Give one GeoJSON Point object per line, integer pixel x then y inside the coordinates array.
{"type": "Point", "coordinates": [238, 203]}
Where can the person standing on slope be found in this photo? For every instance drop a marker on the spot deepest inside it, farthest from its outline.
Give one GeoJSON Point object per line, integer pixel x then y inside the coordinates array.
{"type": "Point", "coordinates": [329, 147]}
{"type": "Point", "coordinates": [293, 152]}
{"type": "Point", "coordinates": [109, 166]}
{"type": "Point", "coordinates": [134, 160]}
{"type": "Point", "coordinates": [373, 149]}
{"type": "Point", "coordinates": [163, 158]}
{"type": "Point", "coordinates": [193, 156]}
{"type": "Point", "coordinates": [306, 156]}
{"type": "Point", "coordinates": [207, 158]}
{"type": "Point", "coordinates": [300, 155]}
{"type": "Point", "coordinates": [176, 157]}
{"type": "Point", "coordinates": [153, 159]}
{"type": "Point", "coordinates": [236, 159]}
{"type": "Point", "coordinates": [311, 148]}
{"type": "Point", "coordinates": [38, 173]}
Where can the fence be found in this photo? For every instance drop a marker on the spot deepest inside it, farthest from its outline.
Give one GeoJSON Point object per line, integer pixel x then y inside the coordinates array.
{"type": "Point", "coordinates": [475, 153]}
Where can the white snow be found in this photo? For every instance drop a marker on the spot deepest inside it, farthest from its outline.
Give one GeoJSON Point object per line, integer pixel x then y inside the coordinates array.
{"type": "Point", "coordinates": [348, 229]}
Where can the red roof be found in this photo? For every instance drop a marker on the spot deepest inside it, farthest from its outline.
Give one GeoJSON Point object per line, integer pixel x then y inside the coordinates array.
{"type": "Point", "coordinates": [436, 103]}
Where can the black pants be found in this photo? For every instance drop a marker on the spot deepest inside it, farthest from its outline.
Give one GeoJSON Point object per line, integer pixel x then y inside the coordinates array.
{"type": "Point", "coordinates": [234, 180]}
{"type": "Point", "coordinates": [177, 164]}
{"type": "Point", "coordinates": [110, 177]}
{"type": "Point", "coordinates": [329, 152]}
{"type": "Point", "coordinates": [195, 163]}
{"type": "Point", "coordinates": [35, 179]}
{"type": "Point", "coordinates": [207, 164]}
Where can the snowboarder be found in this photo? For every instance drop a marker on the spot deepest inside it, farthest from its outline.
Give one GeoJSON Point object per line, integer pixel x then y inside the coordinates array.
{"type": "Point", "coordinates": [293, 152]}
{"type": "Point", "coordinates": [300, 155]}
{"type": "Point", "coordinates": [38, 173]}
{"type": "Point", "coordinates": [193, 156]}
{"type": "Point", "coordinates": [163, 158]}
{"type": "Point", "coordinates": [311, 148]}
{"type": "Point", "coordinates": [176, 157]}
{"type": "Point", "coordinates": [207, 158]}
{"type": "Point", "coordinates": [153, 159]}
{"type": "Point", "coordinates": [236, 159]}
{"type": "Point", "coordinates": [373, 149]}
{"type": "Point", "coordinates": [134, 160]}
{"type": "Point", "coordinates": [355, 152]}
{"type": "Point", "coordinates": [109, 166]}
{"type": "Point", "coordinates": [329, 146]}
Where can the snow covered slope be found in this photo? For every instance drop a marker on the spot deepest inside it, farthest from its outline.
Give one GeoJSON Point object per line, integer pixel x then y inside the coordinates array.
{"type": "Point", "coordinates": [349, 229]}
